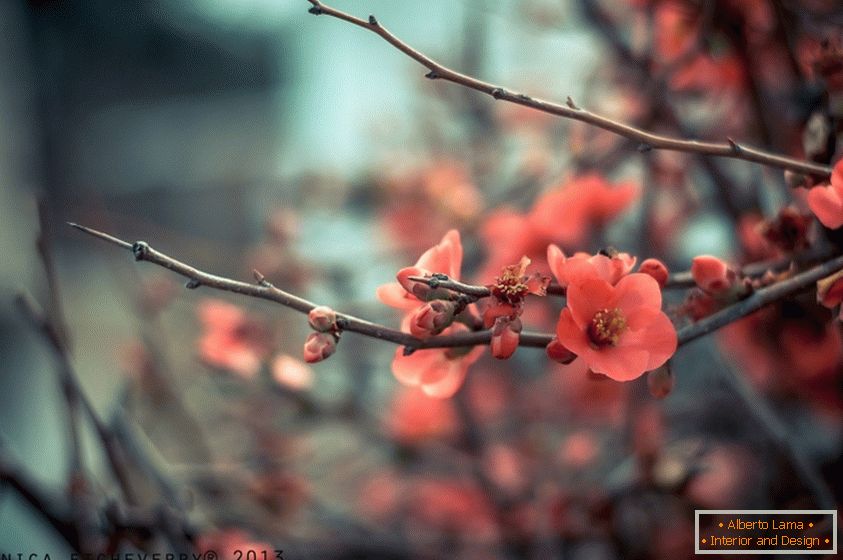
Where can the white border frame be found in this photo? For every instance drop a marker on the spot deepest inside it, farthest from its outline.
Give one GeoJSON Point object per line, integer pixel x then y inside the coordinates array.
{"type": "Point", "coordinates": [832, 512]}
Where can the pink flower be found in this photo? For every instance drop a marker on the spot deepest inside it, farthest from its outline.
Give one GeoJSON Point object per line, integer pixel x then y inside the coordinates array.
{"type": "Point", "coordinates": [827, 201]}
{"type": "Point", "coordinates": [656, 269]}
{"type": "Point", "coordinates": [712, 274]}
{"type": "Point", "coordinates": [619, 331]}
{"type": "Point", "coordinates": [568, 270]}
{"type": "Point", "coordinates": [445, 258]}
{"type": "Point", "coordinates": [439, 372]}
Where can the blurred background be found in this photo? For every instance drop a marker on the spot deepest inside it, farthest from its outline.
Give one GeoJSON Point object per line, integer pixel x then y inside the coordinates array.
{"type": "Point", "coordinates": [247, 134]}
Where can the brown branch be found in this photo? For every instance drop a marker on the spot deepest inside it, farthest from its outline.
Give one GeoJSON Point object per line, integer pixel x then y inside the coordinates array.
{"type": "Point", "coordinates": [759, 299]}
{"type": "Point", "coordinates": [647, 140]}
{"type": "Point", "coordinates": [262, 289]}
{"type": "Point", "coordinates": [265, 290]}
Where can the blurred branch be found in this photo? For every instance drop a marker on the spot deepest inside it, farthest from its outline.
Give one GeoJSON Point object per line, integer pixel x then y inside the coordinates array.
{"type": "Point", "coordinates": [14, 477]}
{"type": "Point", "coordinates": [647, 140]}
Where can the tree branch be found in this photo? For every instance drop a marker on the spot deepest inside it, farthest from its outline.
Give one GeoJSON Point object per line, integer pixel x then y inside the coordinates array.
{"type": "Point", "coordinates": [264, 290]}
{"type": "Point", "coordinates": [647, 140]}
{"type": "Point", "coordinates": [759, 299]}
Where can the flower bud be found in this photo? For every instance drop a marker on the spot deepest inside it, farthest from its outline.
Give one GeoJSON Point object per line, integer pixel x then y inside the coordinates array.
{"type": "Point", "coordinates": [505, 336]}
{"type": "Point", "coordinates": [712, 274]}
{"type": "Point", "coordinates": [558, 353]}
{"type": "Point", "coordinates": [432, 317]}
{"type": "Point", "coordinates": [322, 319]}
{"type": "Point", "coordinates": [656, 269]}
{"type": "Point", "coordinates": [319, 346]}
{"type": "Point", "coordinates": [660, 381]}
{"type": "Point", "coordinates": [418, 289]}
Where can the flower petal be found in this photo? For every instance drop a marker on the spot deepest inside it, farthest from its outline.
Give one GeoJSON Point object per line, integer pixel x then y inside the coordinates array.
{"type": "Point", "coordinates": [637, 290]}
{"type": "Point", "coordinates": [570, 335]}
{"type": "Point", "coordinates": [588, 297]}
{"type": "Point", "coordinates": [618, 363]}
{"type": "Point", "coordinates": [394, 295]}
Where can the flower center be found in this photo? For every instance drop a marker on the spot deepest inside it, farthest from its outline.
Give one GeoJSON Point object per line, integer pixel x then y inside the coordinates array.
{"type": "Point", "coordinates": [606, 327]}
{"type": "Point", "coordinates": [509, 287]}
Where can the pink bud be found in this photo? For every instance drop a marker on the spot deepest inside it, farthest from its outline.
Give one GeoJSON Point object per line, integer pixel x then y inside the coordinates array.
{"type": "Point", "coordinates": [432, 317]}
{"type": "Point", "coordinates": [418, 289]}
{"type": "Point", "coordinates": [712, 274]}
{"type": "Point", "coordinates": [558, 353]}
{"type": "Point", "coordinates": [319, 346]}
{"type": "Point", "coordinates": [322, 319]}
{"type": "Point", "coordinates": [656, 269]}
{"type": "Point", "coordinates": [505, 337]}
{"type": "Point", "coordinates": [660, 381]}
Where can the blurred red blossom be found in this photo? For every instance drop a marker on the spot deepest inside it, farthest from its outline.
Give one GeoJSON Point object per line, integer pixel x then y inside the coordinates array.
{"type": "Point", "coordinates": [231, 339]}
{"type": "Point", "coordinates": [414, 417]}
{"type": "Point", "coordinates": [586, 202]}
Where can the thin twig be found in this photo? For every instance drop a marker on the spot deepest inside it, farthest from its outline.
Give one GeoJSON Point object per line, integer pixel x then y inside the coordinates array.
{"type": "Point", "coordinates": [729, 149]}
{"type": "Point", "coordinates": [262, 289]}
{"type": "Point", "coordinates": [759, 299]}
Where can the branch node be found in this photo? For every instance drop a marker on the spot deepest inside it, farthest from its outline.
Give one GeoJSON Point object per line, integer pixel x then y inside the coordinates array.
{"type": "Point", "coordinates": [259, 278]}
{"type": "Point", "coordinates": [571, 104]}
{"type": "Point", "coordinates": [373, 21]}
{"type": "Point", "coordinates": [645, 147]}
{"type": "Point", "coordinates": [734, 145]}
{"type": "Point", "coordinates": [432, 75]}
{"type": "Point", "coordinates": [342, 323]}
{"type": "Point", "coordinates": [315, 10]}
{"type": "Point", "coordinates": [408, 350]}
{"type": "Point", "coordinates": [192, 284]}
{"type": "Point", "coordinates": [498, 93]}
{"type": "Point", "coordinates": [140, 249]}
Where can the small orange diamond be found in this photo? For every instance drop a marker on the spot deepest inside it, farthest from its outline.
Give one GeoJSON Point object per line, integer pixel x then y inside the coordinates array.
{"type": "Point", "coordinates": [810, 524]}
{"type": "Point", "coordinates": [826, 541]}
{"type": "Point", "coordinates": [704, 541]}
{"type": "Point", "coordinates": [721, 524]}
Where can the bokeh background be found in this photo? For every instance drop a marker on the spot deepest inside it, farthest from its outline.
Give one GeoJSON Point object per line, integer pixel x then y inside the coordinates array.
{"type": "Point", "coordinates": [243, 134]}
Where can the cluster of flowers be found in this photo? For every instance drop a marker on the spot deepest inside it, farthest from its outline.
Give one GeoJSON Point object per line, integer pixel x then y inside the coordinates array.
{"type": "Point", "coordinates": [612, 319]}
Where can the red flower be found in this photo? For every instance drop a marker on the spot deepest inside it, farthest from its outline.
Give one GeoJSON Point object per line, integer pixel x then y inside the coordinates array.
{"type": "Point", "coordinates": [445, 258]}
{"type": "Point", "coordinates": [619, 331]}
{"type": "Point", "coordinates": [827, 201]}
{"type": "Point", "coordinates": [439, 372]}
